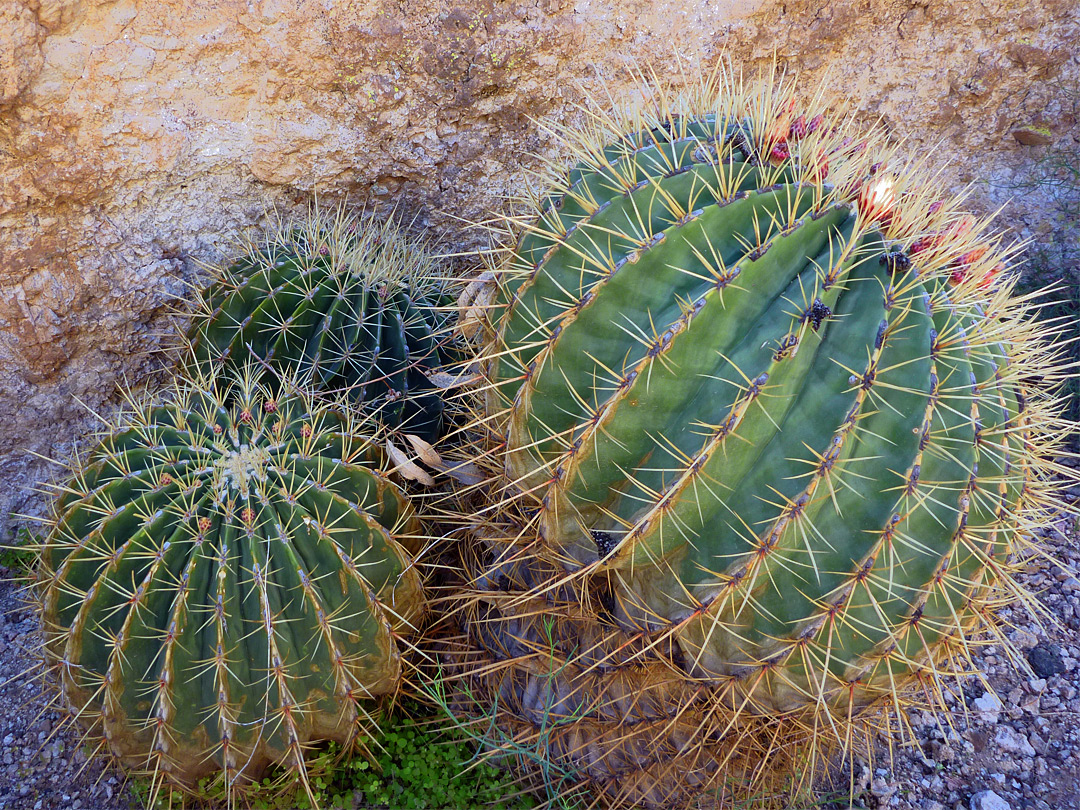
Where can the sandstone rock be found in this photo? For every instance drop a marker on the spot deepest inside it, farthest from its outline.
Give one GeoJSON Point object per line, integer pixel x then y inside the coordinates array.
{"type": "Point", "coordinates": [25, 24]}
{"type": "Point", "coordinates": [136, 138]}
{"type": "Point", "coordinates": [20, 49]}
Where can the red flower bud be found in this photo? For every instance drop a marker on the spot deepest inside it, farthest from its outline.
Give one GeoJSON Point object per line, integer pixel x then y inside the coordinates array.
{"type": "Point", "coordinates": [972, 256]}
{"type": "Point", "coordinates": [820, 169]}
{"type": "Point", "coordinates": [921, 244]}
{"type": "Point", "coordinates": [992, 274]}
{"type": "Point", "coordinates": [779, 153]}
{"type": "Point", "coordinates": [958, 229]}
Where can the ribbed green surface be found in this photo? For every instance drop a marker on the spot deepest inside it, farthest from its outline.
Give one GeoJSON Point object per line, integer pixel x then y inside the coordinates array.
{"type": "Point", "coordinates": [783, 487]}
{"type": "Point", "coordinates": [351, 311]}
{"type": "Point", "coordinates": [224, 582]}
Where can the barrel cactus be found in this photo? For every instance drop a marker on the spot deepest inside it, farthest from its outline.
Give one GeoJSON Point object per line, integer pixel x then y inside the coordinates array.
{"type": "Point", "coordinates": [347, 304]}
{"type": "Point", "coordinates": [226, 580]}
{"type": "Point", "coordinates": [770, 427]}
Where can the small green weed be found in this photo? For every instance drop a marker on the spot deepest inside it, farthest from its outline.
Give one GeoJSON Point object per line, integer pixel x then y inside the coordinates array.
{"type": "Point", "coordinates": [560, 784]}
{"type": "Point", "coordinates": [19, 557]}
{"type": "Point", "coordinates": [418, 763]}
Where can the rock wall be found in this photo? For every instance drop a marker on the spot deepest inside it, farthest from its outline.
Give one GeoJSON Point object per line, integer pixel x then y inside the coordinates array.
{"type": "Point", "coordinates": [138, 137]}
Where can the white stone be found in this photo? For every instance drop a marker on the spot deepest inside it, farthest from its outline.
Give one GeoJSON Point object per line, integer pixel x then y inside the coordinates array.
{"type": "Point", "coordinates": [1009, 740]}
{"type": "Point", "coordinates": [988, 800]}
{"type": "Point", "coordinates": [988, 706]}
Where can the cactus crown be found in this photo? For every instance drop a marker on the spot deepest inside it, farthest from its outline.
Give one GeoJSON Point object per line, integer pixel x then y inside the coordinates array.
{"type": "Point", "coordinates": [771, 423]}
{"type": "Point", "coordinates": [226, 579]}
{"type": "Point", "coordinates": [345, 303]}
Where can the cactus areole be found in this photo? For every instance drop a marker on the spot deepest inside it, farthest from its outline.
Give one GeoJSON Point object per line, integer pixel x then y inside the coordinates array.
{"type": "Point", "coordinates": [224, 582]}
{"type": "Point", "coordinates": [772, 401]}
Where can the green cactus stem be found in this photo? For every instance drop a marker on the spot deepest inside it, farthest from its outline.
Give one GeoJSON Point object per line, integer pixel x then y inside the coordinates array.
{"type": "Point", "coordinates": [771, 428]}
{"type": "Point", "coordinates": [225, 581]}
{"type": "Point", "coordinates": [345, 303]}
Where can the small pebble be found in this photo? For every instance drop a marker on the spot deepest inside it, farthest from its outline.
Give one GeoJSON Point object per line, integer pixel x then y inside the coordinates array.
{"type": "Point", "coordinates": [988, 800]}
{"type": "Point", "coordinates": [989, 705]}
{"type": "Point", "coordinates": [1046, 660]}
{"type": "Point", "coordinates": [1010, 741]}
{"type": "Point", "coordinates": [1024, 639]}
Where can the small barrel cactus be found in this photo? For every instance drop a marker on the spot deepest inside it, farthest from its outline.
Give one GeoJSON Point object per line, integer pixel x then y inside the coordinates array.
{"type": "Point", "coordinates": [346, 304]}
{"type": "Point", "coordinates": [772, 427]}
{"type": "Point", "coordinates": [225, 581]}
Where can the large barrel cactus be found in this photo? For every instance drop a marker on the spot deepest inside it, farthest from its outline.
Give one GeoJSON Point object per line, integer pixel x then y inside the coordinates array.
{"type": "Point", "coordinates": [346, 304]}
{"type": "Point", "coordinates": [225, 582]}
{"type": "Point", "coordinates": [770, 428]}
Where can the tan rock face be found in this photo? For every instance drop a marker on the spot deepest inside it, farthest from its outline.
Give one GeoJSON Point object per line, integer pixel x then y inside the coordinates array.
{"type": "Point", "coordinates": [137, 137]}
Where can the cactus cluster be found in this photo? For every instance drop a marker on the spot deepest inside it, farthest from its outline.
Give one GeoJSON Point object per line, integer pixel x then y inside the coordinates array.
{"type": "Point", "coordinates": [226, 580]}
{"type": "Point", "coordinates": [770, 428]}
{"type": "Point", "coordinates": [346, 304]}
{"type": "Point", "coordinates": [758, 429]}
{"type": "Point", "coordinates": [230, 576]}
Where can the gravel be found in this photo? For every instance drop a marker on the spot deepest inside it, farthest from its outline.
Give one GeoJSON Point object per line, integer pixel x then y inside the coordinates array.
{"type": "Point", "coordinates": [42, 764]}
